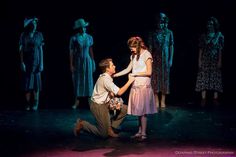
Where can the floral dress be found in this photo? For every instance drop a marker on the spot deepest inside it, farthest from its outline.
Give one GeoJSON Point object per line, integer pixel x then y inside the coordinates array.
{"type": "Point", "coordinates": [160, 42]}
{"type": "Point", "coordinates": [209, 76]}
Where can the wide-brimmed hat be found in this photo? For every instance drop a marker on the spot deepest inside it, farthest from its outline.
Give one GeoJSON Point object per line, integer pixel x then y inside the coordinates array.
{"type": "Point", "coordinates": [27, 21]}
{"type": "Point", "coordinates": [80, 23]}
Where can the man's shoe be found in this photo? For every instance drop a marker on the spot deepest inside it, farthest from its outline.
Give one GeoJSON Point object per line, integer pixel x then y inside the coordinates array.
{"type": "Point", "coordinates": [78, 127]}
{"type": "Point", "coordinates": [111, 133]}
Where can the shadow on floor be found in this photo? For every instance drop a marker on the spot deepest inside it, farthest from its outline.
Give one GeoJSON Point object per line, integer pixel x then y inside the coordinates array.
{"type": "Point", "coordinates": [177, 130]}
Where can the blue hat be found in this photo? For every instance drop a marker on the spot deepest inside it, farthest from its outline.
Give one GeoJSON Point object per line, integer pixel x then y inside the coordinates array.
{"type": "Point", "coordinates": [28, 21]}
{"type": "Point", "coordinates": [80, 23]}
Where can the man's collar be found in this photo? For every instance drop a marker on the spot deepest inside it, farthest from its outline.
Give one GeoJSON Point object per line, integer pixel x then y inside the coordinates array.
{"type": "Point", "coordinates": [106, 74]}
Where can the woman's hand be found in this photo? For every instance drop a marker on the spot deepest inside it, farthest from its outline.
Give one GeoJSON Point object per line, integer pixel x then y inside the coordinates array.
{"type": "Point", "coordinates": [114, 75]}
{"type": "Point", "coordinates": [23, 67]}
{"type": "Point", "coordinates": [133, 74]}
{"type": "Point", "coordinates": [72, 68]}
{"type": "Point", "coordinates": [93, 65]}
{"type": "Point", "coordinates": [40, 68]}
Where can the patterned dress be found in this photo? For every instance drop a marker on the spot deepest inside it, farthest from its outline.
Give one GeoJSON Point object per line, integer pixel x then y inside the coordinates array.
{"type": "Point", "coordinates": [83, 63]}
{"type": "Point", "coordinates": [209, 76]}
{"type": "Point", "coordinates": [160, 42]}
{"type": "Point", "coordinates": [33, 60]}
{"type": "Point", "coordinates": [141, 97]}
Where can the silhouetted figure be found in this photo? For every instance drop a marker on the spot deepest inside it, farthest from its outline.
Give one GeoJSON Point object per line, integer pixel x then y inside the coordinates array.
{"type": "Point", "coordinates": [82, 64]}
{"type": "Point", "coordinates": [31, 57]}
{"type": "Point", "coordinates": [209, 77]}
{"type": "Point", "coordinates": [161, 45]}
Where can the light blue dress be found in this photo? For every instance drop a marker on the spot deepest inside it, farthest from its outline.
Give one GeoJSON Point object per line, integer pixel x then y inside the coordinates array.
{"type": "Point", "coordinates": [33, 60]}
{"type": "Point", "coordinates": [83, 63]}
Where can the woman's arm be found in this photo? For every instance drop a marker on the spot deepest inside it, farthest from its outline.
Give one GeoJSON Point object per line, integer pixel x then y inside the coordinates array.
{"type": "Point", "coordinates": [125, 71]}
{"type": "Point", "coordinates": [71, 61]}
{"type": "Point", "coordinates": [171, 55]}
{"type": "Point", "coordinates": [21, 54]}
{"type": "Point", "coordinates": [22, 65]}
{"type": "Point", "coordinates": [91, 52]}
{"type": "Point", "coordinates": [71, 54]}
{"type": "Point", "coordinates": [126, 86]}
{"type": "Point", "coordinates": [200, 58]}
{"type": "Point", "coordinates": [220, 59]}
{"type": "Point", "coordinates": [92, 56]}
{"type": "Point", "coordinates": [41, 59]}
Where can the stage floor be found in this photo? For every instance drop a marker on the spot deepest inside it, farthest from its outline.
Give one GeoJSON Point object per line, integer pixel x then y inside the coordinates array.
{"type": "Point", "coordinates": [176, 131]}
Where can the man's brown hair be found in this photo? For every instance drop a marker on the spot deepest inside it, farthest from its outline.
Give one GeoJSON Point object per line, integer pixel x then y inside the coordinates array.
{"type": "Point", "coordinates": [105, 63]}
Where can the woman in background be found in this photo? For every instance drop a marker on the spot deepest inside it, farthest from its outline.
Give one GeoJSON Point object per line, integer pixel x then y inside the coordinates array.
{"type": "Point", "coordinates": [209, 77]}
{"type": "Point", "coordinates": [161, 45]}
{"type": "Point", "coordinates": [82, 64]}
{"type": "Point", "coordinates": [31, 57]}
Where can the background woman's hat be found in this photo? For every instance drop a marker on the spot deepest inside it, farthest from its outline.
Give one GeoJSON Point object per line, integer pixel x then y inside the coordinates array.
{"type": "Point", "coordinates": [80, 23]}
{"type": "Point", "coordinates": [28, 21]}
{"type": "Point", "coordinates": [163, 18]}
{"type": "Point", "coordinates": [162, 15]}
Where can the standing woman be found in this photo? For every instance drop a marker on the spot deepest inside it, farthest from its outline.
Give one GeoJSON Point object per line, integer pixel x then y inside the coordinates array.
{"type": "Point", "coordinates": [161, 45]}
{"type": "Point", "coordinates": [82, 64]}
{"type": "Point", "coordinates": [141, 97]}
{"type": "Point", "coordinates": [31, 57]}
{"type": "Point", "coordinates": [209, 77]}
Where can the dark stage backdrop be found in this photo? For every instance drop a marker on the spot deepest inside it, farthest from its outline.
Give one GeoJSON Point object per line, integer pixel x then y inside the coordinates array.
{"type": "Point", "coordinates": [111, 24]}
